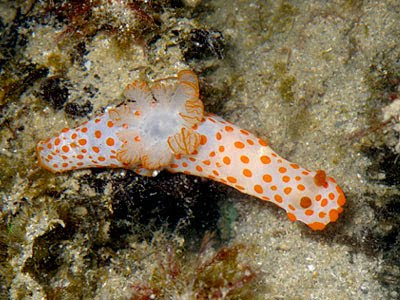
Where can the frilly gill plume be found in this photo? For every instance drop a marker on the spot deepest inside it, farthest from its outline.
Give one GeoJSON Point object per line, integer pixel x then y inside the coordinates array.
{"type": "Point", "coordinates": [158, 124]}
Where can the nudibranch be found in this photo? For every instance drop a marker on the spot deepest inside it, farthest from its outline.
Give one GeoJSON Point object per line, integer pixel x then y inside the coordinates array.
{"type": "Point", "coordinates": [164, 127]}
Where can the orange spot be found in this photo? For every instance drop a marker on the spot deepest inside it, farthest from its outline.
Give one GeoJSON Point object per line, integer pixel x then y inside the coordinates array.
{"type": "Point", "coordinates": [274, 188]}
{"type": "Point", "coordinates": [97, 120]}
{"type": "Point", "coordinates": [278, 198]}
{"type": "Point", "coordinates": [305, 172]}
{"type": "Point", "coordinates": [174, 166]}
{"type": "Point", "coordinates": [262, 142]}
{"type": "Point", "coordinates": [244, 159]}
{"type": "Point", "coordinates": [84, 129]}
{"type": "Point", "coordinates": [110, 124]}
{"type": "Point", "coordinates": [301, 187]}
{"type": "Point", "coordinates": [79, 163]}
{"type": "Point", "coordinates": [226, 160]}
{"type": "Point", "coordinates": [341, 199]}
{"type": "Point", "coordinates": [215, 172]}
{"type": "Point", "coordinates": [247, 173]}
{"type": "Point", "coordinates": [198, 168]}
{"type": "Point", "coordinates": [297, 178]}
{"type": "Point", "coordinates": [207, 162]}
{"type": "Point", "coordinates": [239, 187]}
{"type": "Point", "coordinates": [265, 198]}
{"type": "Point", "coordinates": [324, 202]}
{"type": "Point", "coordinates": [258, 189]}
{"type": "Point", "coordinates": [49, 156]}
{"type": "Point", "coordinates": [218, 136]}
{"type": "Point", "coordinates": [65, 148]}
{"type": "Point", "coordinates": [212, 154]}
{"type": "Point", "coordinates": [244, 132]}
{"type": "Point", "coordinates": [229, 128]}
{"type": "Point", "coordinates": [291, 207]}
{"type": "Point", "coordinates": [49, 145]}
{"type": "Point", "coordinates": [64, 165]}
{"type": "Point", "coordinates": [97, 134]}
{"type": "Point", "coordinates": [316, 226]}
{"type": "Point", "coordinates": [318, 197]}
{"type": "Point", "coordinates": [250, 142]}
{"type": "Point", "coordinates": [192, 159]}
{"type": "Point", "coordinates": [239, 145]}
{"type": "Point", "coordinates": [294, 166]}
{"type": "Point", "coordinates": [73, 136]}
{"type": "Point", "coordinates": [64, 130]}
{"type": "Point", "coordinates": [320, 178]}
{"type": "Point", "coordinates": [221, 148]}
{"type": "Point", "coordinates": [96, 149]}
{"type": "Point", "coordinates": [211, 119]}
{"type": "Point", "coordinates": [203, 139]}
{"type": "Point", "coordinates": [84, 151]}
{"type": "Point", "coordinates": [73, 145]}
{"type": "Point", "coordinates": [101, 158]}
{"type": "Point", "coordinates": [333, 215]}
{"type": "Point", "coordinates": [137, 113]}
{"type": "Point", "coordinates": [282, 170]}
{"type": "Point", "coordinates": [110, 142]}
{"type": "Point", "coordinates": [291, 217]}
{"type": "Point", "coordinates": [184, 164]}
{"type": "Point", "coordinates": [287, 190]}
{"type": "Point", "coordinates": [267, 178]}
{"type": "Point", "coordinates": [286, 179]}
{"type": "Point", "coordinates": [82, 142]}
{"type": "Point", "coordinates": [331, 196]}
{"type": "Point", "coordinates": [79, 156]}
{"type": "Point", "coordinates": [231, 179]}
{"type": "Point", "coordinates": [309, 212]}
{"type": "Point", "coordinates": [55, 166]}
{"type": "Point", "coordinates": [322, 215]}
{"type": "Point", "coordinates": [305, 202]}
{"type": "Point", "coordinates": [265, 159]}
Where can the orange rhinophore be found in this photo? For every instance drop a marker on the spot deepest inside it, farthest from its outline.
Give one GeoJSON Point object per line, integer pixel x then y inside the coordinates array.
{"type": "Point", "coordinates": [164, 127]}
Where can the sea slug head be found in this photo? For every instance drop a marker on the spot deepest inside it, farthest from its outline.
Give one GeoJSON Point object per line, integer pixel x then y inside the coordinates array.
{"type": "Point", "coordinates": [157, 122]}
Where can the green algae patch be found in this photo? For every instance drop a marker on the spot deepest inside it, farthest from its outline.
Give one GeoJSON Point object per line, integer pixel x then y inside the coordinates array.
{"type": "Point", "coordinates": [282, 18]}
{"type": "Point", "coordinates": [286, 81]}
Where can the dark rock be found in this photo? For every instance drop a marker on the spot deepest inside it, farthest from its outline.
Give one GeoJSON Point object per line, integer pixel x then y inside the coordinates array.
{"type": "Point", "coordinates": [169, 201]}
{"type": "Point", "coordinates": [78, 110]}
{"type": "Point", "coordinates": [201, 44]}
{"type": "Point", "coordinates": [54, 91]}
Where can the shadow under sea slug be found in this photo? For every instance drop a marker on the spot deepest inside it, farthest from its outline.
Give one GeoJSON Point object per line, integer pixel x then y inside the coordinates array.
{"type": "Point", "coordinates": [165, 127]}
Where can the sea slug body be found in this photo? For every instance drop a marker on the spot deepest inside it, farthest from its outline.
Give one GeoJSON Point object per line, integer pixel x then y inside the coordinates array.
{"type": "Point", "coordinates": [164, 127]}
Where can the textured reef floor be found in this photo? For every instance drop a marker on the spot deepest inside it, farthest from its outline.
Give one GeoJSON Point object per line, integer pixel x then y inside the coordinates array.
{"type": "Point", "coordinates": [319, 80]}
